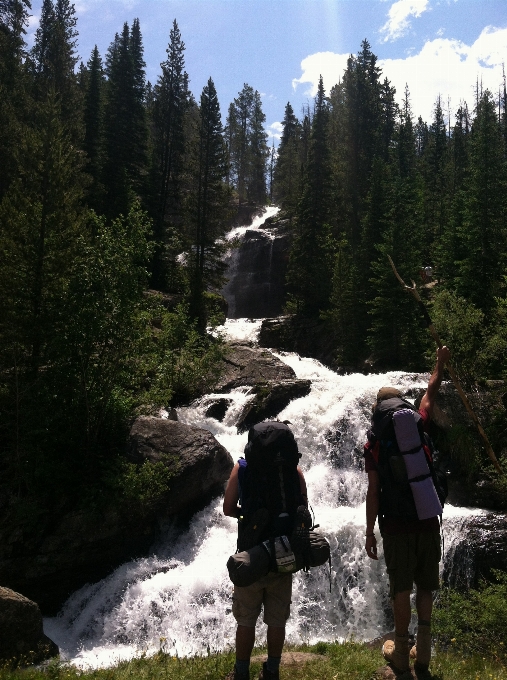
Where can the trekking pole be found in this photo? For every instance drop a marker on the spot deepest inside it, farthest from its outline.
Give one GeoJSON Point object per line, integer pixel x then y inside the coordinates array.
{"type": "Point", "coordinates": [413, 289]}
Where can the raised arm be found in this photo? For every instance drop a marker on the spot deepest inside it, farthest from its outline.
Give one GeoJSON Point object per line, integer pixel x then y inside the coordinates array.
{"type": "Point", "coordinates": [231, 497]}
{"type": "Point", "coordinates": [428, 400]}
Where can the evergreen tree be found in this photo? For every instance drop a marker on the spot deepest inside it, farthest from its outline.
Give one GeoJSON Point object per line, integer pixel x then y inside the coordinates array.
{"type": "Point", "coordinates": [209, 205]}
{"type": "Point", "coordinates": [434, 167]}
{"type": "Point", "coordinates": [94, 127]}
{"type": "Point", "coordinates": [247, 144]}
{"type": "Point", "coordinates": [258, 153]}
{"type": "Point", "coordinates": [287, 172]}
{"type": "Point", "coordinates": [449, 248]}
{"type": "Point", "coordinates": [125, 125]}
{"type": "Point", "coordinates": [396, 335]}
{"type": "Point", "coordinates": [483, 232]}
{"type": "Point", "coordinates": [170, 101]}
{"type": "Point", "coordinates": [14, 103]}
{"type": "Point", "coordinates": [53, 59]}
{"type": "Point", "coordinates": [310, 263]}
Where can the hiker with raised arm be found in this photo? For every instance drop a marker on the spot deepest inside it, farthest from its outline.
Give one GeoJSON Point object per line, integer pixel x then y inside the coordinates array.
{"type": "Point", "coordinates": [266, 492]}
{"type": "Point", "coordinates": [406, 492]}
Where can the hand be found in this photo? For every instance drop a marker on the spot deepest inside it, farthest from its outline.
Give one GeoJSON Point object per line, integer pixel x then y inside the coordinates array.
{"type": "Point", "coordinates": [443, 355]}
{"type": "Point", "coordinates": [371, 547]}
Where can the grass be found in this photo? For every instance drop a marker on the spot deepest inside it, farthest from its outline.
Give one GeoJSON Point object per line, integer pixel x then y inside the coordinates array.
{"type": "Point", "coordinates": [347, 661]}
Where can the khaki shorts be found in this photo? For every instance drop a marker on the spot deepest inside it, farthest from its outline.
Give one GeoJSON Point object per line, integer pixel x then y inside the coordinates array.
{"type": "Point", "coordinates": [274, 591]}
{"type": "Point", "coordinates": [412, 558]}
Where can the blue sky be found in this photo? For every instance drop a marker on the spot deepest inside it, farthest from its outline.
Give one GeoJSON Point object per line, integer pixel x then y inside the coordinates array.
{"type": "Point", "coordinates": [279, 47]}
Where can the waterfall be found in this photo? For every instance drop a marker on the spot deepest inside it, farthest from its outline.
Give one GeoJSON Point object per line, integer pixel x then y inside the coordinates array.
{"type": "Point", "coordinates": [179, 598]}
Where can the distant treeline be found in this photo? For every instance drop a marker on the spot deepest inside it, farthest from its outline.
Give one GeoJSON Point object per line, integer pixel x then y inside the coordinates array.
{"type": "Point", "coordinates": [359, 179]}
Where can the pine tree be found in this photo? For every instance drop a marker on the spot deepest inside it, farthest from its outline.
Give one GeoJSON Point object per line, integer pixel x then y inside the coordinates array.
{"type": "Point", "coordinates": [434, 166]}
{"type": "Point", "coordinates": [483, 233]}
{"type": "Point", "coordinates": [396, 335]}
{"type": "Point", "coordinates": [170, 102]}
{"type": "Point", "coordinates": [14, 104]}
{"type": "Point", "coordinates": [247, 145]}
{"type": "Point", "coordinates": [94, 127]}
{"type": "Point", "coordinates": [258, 154]}
{"type": "Point", "coordinates": [209, 205]}
{"type": "Point", "coordinates": [310, 264]}
{"type": "Point", "coordinates": [53, 59]}
{"type": "Point", "coordinates": [287, 172]}
{"type": "Point", "coordinates": [125, 125]}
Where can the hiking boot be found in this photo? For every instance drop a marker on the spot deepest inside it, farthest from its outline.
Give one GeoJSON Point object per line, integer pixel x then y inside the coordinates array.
{"type": "Point", "coordinates": [266, 674]}
{"type": "Point", "coordinates": [234, 675]}
{"type": "Point", "coordinates": [396, 653]}
{"type": "Point", "coordinates": [422, 649]}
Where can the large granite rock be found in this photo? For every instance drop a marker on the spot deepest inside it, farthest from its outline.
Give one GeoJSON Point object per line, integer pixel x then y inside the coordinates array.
{"type": "Point", "coordinates": [199, 463]}
{"type": "Point", "coordinates": [85, 545]}
{"type": "Point", "coordinates": [22, 640]}
{"type": "Point", "coordinates": [249, 366]}
{"type": "Point", "coordinates": [270, 399]}
{"type": "Point", "coordinates": [273, 385]}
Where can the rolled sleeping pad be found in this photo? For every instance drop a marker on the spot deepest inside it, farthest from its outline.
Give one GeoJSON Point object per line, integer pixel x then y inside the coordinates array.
{"type": "Point", "coordinates": [419, 476]}
{"type": "Point", "coordinates": [248, 566]}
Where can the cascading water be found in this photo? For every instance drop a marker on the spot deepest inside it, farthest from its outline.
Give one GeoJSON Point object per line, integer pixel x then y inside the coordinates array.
{"type": "Point", "coordinates": [180, 597]}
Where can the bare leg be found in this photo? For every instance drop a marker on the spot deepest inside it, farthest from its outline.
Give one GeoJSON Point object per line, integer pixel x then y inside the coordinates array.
{"type": "Point", "coordinates": [276, 638]}
{"type": "Point", "coordinates": [424, 604]}
{"type": "Point", "coordinates": [402, 612]}
{"type": "Point", "coordinates": [245, 639]}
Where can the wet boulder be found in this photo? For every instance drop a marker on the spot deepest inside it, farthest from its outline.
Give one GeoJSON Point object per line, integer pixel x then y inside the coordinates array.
{"type": "Point", "coordinates": [250, 366]}
{"type": "Point", "coordinates": [270, 399]}
{"type": "Point", "coordinates": [22, 640]}
{"type": "Point", "coordinates": [199, 464]}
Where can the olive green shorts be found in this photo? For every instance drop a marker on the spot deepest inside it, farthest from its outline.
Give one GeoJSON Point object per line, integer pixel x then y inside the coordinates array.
{"type": "Point", "coordinates": [274, 591]}
{"type": "Point", "coordinates": [412, 558]}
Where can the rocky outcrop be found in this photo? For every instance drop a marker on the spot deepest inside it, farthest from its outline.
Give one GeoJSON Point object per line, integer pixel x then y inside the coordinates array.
{"type": "Point", "coordinates": [22, 640]}
{"type": "Point", "coordinates": [249, 366]}
{"type": "Point", "coordinates": [200, 464]}
{"type": "Point", "coordinates": [86, 545]}
{"type": "Point", "coordinates": [273, 385]}
{"type": "Point", "coordinates": [270, 399]}
{"type": "Point", "coordinates": [482, 549]}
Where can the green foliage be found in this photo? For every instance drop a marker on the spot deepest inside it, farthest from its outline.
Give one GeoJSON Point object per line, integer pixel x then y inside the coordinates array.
{"type": "Point", "coordinates": [144, 485]}
{"type": "Point", "coordinates": [474, 622]}
{"type": "Point", "coordinates": [460, 326]}
{"type": "Point", "coordinates": [338, 661]}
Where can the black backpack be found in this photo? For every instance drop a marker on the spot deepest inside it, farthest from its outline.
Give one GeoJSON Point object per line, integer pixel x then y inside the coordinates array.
{"type": "Point", "coordinates": [396, 499]}
{"type": "Point", "coordinates": [269, 486]}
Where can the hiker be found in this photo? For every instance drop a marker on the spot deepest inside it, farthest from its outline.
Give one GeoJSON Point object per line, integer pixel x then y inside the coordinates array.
{"type": "Point", "coordinates": [274, 590]}
{"type": "Point", "coordinates": [411, 545]}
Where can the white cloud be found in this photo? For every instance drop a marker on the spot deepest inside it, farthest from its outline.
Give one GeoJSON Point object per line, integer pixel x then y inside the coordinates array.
{"type": "Point", "coordinates": [275, 130]}
{"type": "Point", "coordinates": [451, 69]}
{"type": "Point", "coordinates": [445, 67]}
{"type": "Point", "coordinates": [326, 64]}
{"type": "Point", "coordinates": [399, 14]}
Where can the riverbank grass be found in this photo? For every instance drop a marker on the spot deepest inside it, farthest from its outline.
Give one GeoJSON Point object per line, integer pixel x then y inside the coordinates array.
{"type": "Point", "coordinates": [347, 661]}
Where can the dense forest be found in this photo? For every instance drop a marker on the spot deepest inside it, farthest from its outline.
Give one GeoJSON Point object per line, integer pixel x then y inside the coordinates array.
{"type": "Point", "coordinates": [359, 179]}
{"type": "Point", "coordinates": [115, 194]}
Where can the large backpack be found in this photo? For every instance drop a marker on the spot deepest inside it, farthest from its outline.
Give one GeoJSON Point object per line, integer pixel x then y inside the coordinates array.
{"type": "Point", "coordinates": [396, 494]}
{"type": "Point", "coordinates": [269, 486]}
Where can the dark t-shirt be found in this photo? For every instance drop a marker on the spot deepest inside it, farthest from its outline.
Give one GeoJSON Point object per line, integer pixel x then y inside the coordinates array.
{"type": "Point", "coordinates": [395, 525]}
